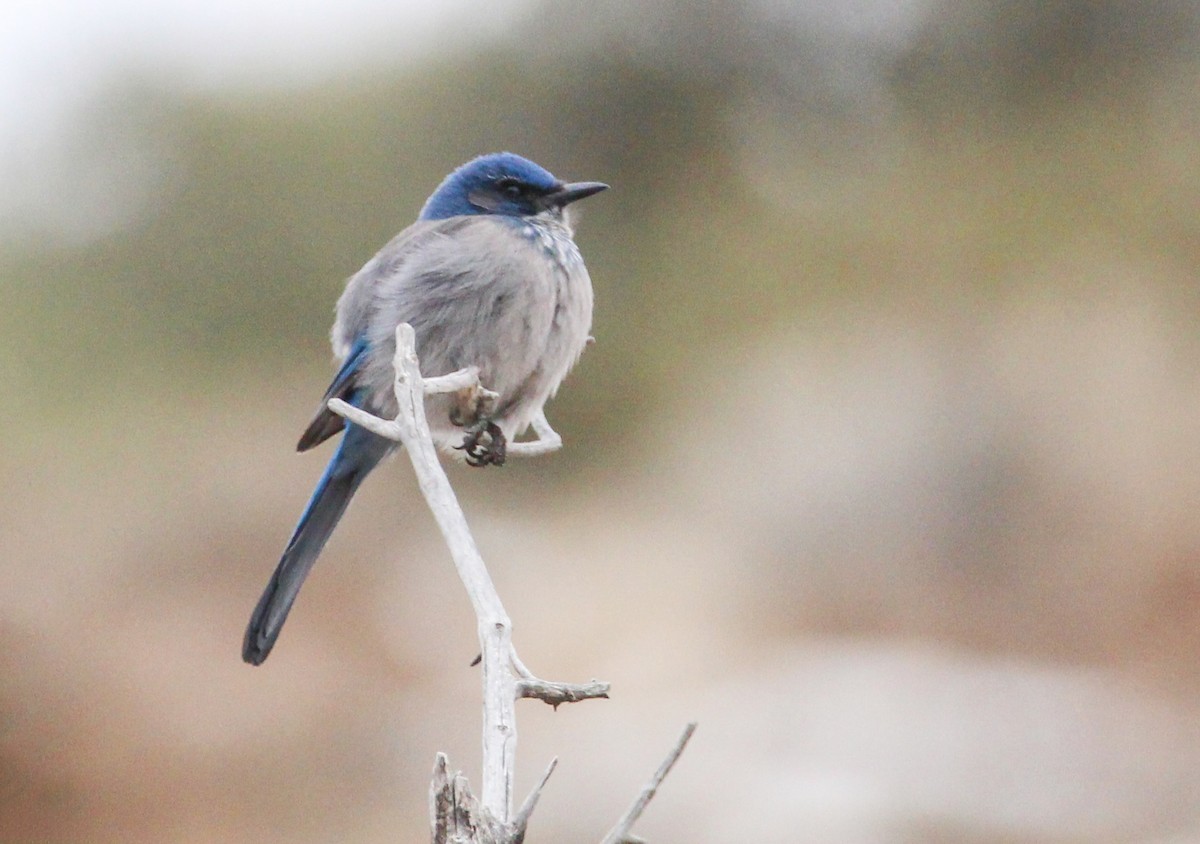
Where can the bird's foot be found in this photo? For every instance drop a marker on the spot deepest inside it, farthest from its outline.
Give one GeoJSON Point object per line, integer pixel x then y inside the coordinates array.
{"type": "Point", "coordinates": [485, 444]}
{"type": "Point", "coordinates": [472, 405]}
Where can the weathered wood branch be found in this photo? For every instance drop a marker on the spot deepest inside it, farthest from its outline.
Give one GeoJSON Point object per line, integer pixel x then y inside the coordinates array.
{"type": "Point", "coordinates": [505, 678]}
{"type": "Point", "coordinates": [621, 833]}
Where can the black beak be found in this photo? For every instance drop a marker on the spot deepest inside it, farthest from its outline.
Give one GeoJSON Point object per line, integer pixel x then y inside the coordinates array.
{"type": "Point", "coordinates": [566, 194]}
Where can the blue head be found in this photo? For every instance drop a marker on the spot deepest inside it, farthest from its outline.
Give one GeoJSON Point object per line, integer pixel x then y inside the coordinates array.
{"type": "Point", "coordinates": [505, 184]}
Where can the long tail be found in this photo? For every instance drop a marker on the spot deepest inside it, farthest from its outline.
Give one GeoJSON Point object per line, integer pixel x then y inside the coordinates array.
{"type": "Point", "coordinates": [358, 453]}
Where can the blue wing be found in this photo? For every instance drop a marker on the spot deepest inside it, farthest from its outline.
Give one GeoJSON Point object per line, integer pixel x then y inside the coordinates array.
{"type": "Point", "coordinates": [327, 423]}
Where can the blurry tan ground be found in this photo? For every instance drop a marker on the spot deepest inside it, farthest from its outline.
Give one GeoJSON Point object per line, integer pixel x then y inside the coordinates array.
{"type": "Point", "coordinates": [884, 468]}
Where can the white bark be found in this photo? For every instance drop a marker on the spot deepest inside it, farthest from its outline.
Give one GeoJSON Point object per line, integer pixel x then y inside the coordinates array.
{"type": "Point", "coordinates": [621, 833]}
{"type": "Point", "coordinates": [505, 678]}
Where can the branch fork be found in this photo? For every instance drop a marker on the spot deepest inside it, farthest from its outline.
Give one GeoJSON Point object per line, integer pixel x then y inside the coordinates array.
{"type": "Point", "coordinates": [458, 817]}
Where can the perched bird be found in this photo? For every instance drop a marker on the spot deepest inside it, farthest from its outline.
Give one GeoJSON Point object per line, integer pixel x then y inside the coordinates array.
{"type": "Point", "coordinates": [488, 276]}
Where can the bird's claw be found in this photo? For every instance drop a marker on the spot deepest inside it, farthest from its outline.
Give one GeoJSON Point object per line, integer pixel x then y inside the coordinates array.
{"type": "Point", "coordinates": [481, 452]}
{"type": "Point", "coordinates": [472, 405]}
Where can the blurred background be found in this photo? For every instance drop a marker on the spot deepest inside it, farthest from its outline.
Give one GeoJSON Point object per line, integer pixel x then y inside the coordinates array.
{"type": "Point", "coordinates": [884, 466]}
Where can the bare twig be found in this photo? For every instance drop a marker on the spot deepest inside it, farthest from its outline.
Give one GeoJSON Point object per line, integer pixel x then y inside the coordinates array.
{"type": "Point", "coordinates": [521, 821]}
{"type": "Point", "coordinates": [620, 834]}
{"type": "Point", "coordinates": [557, 694]}
{"type": "Point", "coordinates": [501, 666]}
{"type": "Point", "coordinates": [495, 630]}
{"type": "Point", "coordinates": [547, 440]}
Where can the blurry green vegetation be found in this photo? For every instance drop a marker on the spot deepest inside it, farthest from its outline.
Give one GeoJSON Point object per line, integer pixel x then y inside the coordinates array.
{"type": "Point", "coordinates": [274, 198]}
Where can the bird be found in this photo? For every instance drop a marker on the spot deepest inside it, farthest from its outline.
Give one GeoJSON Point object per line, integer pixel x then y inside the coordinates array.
{"type": "Point", "coordinates": [488, 276]}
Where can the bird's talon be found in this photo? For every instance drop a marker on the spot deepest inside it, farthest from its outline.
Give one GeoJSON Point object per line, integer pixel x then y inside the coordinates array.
{"type": "Point", "coordinates": [478, 453]}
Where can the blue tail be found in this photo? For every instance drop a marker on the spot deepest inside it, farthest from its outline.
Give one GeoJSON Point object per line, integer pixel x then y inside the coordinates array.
{"type": "Point", "coordinates": [358, 453]}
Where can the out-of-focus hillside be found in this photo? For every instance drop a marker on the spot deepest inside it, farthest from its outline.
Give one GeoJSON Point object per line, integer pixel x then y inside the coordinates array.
{"type": "Point", "coordinates": [884, 465]}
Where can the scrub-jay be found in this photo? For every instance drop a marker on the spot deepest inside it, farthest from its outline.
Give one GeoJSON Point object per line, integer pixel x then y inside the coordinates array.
{"type": "Point", "coordinates": [488, 276]}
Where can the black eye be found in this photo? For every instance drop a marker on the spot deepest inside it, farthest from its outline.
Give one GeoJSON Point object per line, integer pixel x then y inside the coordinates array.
{"type": "Point", "coordinates": [510, 188]}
